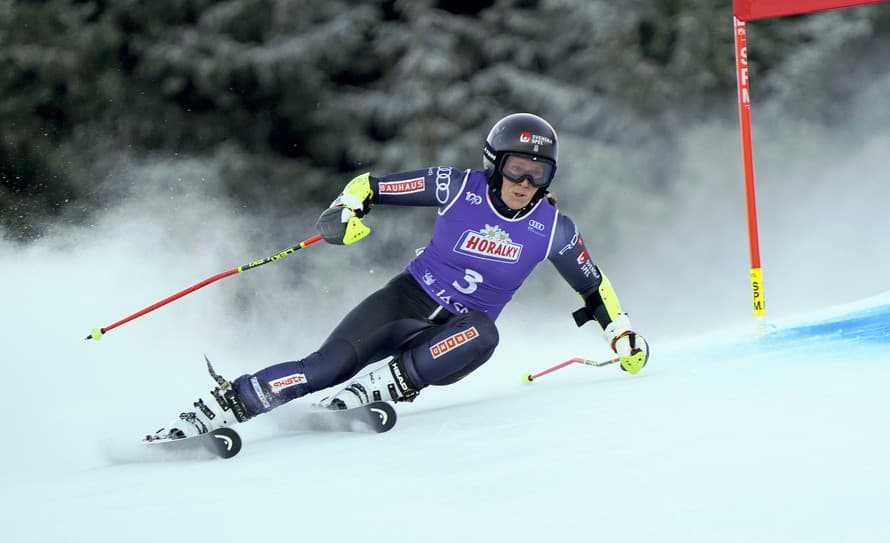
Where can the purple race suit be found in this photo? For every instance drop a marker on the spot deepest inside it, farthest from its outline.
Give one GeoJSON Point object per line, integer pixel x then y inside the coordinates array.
{"type": "Point", "coordinates": [455, 288]}
{"type": "Point", "coordinates": [477, 258]}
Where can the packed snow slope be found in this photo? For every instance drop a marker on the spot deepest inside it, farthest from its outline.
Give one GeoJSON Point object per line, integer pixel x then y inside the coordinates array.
{"type": "Point", "coordinates": [735, 431]}
{"type": "Point", "coordinates": [744, 435]}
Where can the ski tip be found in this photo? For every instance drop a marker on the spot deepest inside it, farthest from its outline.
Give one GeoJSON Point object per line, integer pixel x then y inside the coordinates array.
{"type": "Point", "coordinates": [528, 378]}
{"type": "Point", "coordinates": [226, 442]}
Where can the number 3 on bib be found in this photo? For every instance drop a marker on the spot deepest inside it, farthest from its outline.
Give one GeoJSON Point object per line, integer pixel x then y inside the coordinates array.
{"type": "Point", "coordinates": [472, 278]}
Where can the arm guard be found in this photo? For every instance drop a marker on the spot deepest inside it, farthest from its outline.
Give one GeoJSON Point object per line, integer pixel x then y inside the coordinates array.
{"type": "Point", "coordinates": [601, 304]}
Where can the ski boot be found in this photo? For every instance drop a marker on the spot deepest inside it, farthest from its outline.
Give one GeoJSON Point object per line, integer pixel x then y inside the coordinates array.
{"type": "Point", "coordinates": [223, 408]}
{"type": "Point", "coordinates": [387, 383]}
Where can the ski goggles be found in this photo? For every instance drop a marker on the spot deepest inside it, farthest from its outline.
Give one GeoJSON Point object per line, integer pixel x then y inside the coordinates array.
{"type": "Point", "coordinates": [518, 167]}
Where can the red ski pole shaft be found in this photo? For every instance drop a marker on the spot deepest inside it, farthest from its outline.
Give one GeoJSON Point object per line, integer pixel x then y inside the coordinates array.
{"type": "Point", "coordinates": [532, 376]}
{"type": "Point", "coordinates": [97, 333]}
{"type": "Point", "coordinates": [554, 368]}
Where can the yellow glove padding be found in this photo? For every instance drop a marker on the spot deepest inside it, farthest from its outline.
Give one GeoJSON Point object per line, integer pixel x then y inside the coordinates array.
{"type": "Point", "coordinates": [340, 226]}
{"type": "Point", "coordinates": [356, 195]}
{"type": "Point", "coordinates": [355, 231]}
{"type": "Point", "coordinates": [631, 348]}
{"type": "Point", "coordinates": [634, 363]}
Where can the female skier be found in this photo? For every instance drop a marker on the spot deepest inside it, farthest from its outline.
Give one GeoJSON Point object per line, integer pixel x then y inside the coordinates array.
{"type": "Point", "coordinates": [436, 319]}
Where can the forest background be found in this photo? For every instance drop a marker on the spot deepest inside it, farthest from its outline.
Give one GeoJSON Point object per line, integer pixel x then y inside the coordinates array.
{"type": "Point", "coordinates": [222, 128]}
{"type": "Point", "coordinates": [279, 102]}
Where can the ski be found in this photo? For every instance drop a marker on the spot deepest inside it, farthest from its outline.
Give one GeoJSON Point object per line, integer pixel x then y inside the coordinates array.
{"type": "Point", "coordinates": [223, 442]}
{"type": "Point", "coordinates": [376, 417]}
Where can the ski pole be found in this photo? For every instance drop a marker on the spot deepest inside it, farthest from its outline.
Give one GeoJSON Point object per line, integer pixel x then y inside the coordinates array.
{"type": "Point", "coordinates": [529, 377]}
{"type": "Point", "coordinates": [97, 333]}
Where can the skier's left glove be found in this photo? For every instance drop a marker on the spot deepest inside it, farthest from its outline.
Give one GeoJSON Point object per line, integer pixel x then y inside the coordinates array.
{"type": "Point", "coordinates": [630, 346]}
{"type": "Point", "coordinates": [341, 224]}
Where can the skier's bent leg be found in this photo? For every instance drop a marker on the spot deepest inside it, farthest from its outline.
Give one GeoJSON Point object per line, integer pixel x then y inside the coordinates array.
{"type": "Point", "coordinates": [275, 385]}
{"type": "Point", "coordinates": [448, 353]}
{"type": "Point", "coordinates": [373, 330]}
{"type": "Point", "coordinates": [438, 356]}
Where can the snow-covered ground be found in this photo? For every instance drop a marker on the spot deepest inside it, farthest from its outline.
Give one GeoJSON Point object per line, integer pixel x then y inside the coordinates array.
{"type": "Point", "coordinates": [731, 436]}
{"type": "Point", "coordinates": [736, 431]}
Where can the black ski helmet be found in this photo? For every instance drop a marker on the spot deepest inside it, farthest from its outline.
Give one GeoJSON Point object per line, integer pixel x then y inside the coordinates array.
{"type": "Point", "coordinates": [521, 134]}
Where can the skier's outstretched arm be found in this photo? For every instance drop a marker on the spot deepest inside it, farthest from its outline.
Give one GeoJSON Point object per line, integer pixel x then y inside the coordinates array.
{"type": "Point", "coordinates": [341, 223]}
{"type": "Point", "coordinates": [571, 259]}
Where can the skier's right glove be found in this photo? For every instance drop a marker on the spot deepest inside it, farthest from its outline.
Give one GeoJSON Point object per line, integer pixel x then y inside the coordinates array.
{"type": "Point", "coordinates": [341, 223]}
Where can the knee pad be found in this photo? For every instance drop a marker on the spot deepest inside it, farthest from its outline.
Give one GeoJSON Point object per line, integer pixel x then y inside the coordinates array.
{"type": "Point", "coordinates": [447, 353]}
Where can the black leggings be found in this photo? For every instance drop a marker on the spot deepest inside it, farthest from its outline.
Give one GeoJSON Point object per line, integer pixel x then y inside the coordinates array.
{"type": "Point", "coordinates": [400, 319]}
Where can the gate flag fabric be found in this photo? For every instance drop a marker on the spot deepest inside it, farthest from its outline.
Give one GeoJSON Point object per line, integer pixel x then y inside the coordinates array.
{"type": "Point", "coordinates": [750, 10]}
